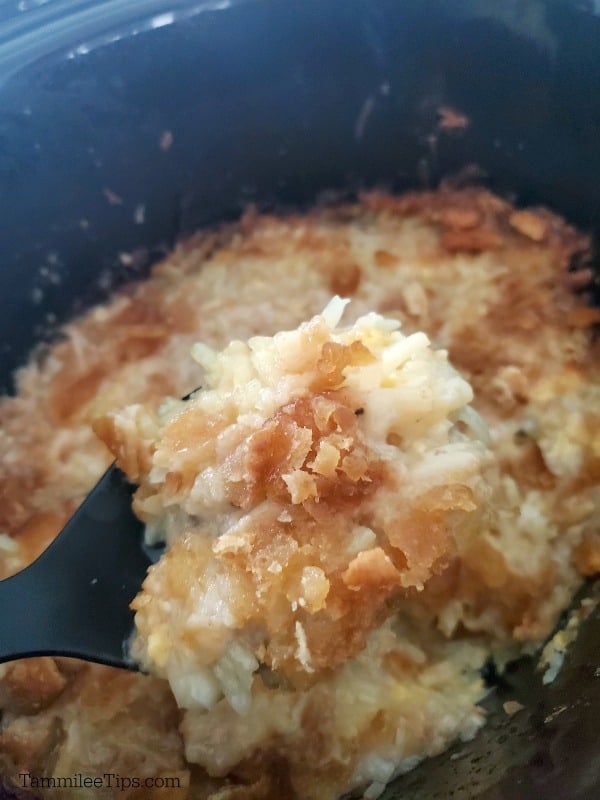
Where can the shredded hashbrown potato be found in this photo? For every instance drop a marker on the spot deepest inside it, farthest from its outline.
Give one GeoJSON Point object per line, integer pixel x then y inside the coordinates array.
{"type": "Point", "coordinates": [318, 476]}
{"type": "Point", "coordinates": [489, 283]}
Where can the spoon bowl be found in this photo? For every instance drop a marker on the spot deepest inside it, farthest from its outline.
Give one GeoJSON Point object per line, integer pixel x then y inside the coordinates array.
{"type": "Point", "coordinates": [73, 600]}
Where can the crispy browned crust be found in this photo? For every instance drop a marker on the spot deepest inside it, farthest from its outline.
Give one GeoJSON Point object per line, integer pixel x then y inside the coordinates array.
{"type": "Point", "coordinates": [310, 460]}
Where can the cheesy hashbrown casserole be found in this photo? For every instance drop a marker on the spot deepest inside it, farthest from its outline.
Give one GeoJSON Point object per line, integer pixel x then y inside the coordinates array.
{"type": "Point", "coordinates": [355, 519]}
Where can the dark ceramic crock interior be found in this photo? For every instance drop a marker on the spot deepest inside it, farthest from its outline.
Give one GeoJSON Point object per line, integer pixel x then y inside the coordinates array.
{"type": "Point", "coordinates": [274, 103]}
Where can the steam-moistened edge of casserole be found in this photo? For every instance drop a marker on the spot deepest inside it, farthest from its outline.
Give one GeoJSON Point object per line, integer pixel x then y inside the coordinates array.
{"type": "Point", "coordinates": [554, 651]}
{"type": "Point", "coordinates": [492, 285]}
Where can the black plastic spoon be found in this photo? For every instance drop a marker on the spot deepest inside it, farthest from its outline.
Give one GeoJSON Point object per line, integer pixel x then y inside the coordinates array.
{"type": "Point", "coordinates": [74, 599]}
